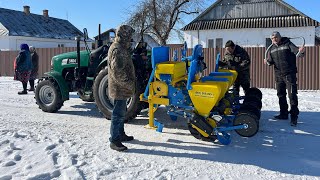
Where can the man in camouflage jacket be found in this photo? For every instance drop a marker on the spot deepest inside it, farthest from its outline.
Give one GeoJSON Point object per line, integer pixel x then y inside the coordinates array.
{"type": "Point", "coordinates": [121, 84]}
{"type": "Point", "coordinates": [236, 58]}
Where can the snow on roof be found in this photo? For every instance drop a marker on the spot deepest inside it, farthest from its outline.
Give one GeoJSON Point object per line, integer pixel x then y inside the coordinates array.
{"type": "Point", "coordinates": [18, 23]}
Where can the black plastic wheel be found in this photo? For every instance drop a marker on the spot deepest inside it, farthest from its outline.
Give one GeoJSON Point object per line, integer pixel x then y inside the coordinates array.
{"type": "Point", "coordinates": [253, 100]}
{"type": "Point", "coordinates": [253, 91]}
{"type": "Point", "coordinates": [253, 125]}
{"type": "Point", "coordinates": [250, 109]}
{"type": "Point", "coordinates": [195, 133]}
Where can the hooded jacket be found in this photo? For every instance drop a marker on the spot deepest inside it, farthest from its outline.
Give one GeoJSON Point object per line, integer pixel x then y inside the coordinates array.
{"type": "Point", "coordinates": [121, 74]}
{"type": "Point", "coordinates": [283, 57]}
{"type": "Point", "coordinates": [23, 60]}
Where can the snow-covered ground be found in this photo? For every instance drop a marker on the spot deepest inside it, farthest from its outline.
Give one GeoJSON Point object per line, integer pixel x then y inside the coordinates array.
{"type": "Point", "coordinates": [73, 144]}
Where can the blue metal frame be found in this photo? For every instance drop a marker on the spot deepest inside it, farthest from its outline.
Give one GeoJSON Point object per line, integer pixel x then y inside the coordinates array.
{"type": "Point", "coordinates": [180, 104]}
{"type": "Point", "coordinates": [194, 68]}
{"type": "Point", "coordinates": [158, 55]}
{"type": "Point", "coordinates": [217, 63]}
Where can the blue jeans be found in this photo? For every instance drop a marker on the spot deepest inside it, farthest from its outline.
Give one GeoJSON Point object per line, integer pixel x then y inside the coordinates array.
{"type": "Point", "coordinates": [117, 119]}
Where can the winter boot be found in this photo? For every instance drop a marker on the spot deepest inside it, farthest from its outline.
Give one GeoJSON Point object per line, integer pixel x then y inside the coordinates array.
{"type": "Point", "coordinates": [118, 146]}
{"type": "Point", "coordinates": [23, 92]}
{"type": "Point", "coordinates": [282, 116]}
{"type": "Point", "coordinates": [24, 85]}
{"type": "Point", "coordinates": [294, 120]}
{"type": "Point", "coordinates": [125, 137]}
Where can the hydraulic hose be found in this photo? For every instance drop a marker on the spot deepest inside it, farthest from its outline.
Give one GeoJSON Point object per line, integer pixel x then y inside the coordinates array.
{"type": "Point", "coordinates": [297, 55]}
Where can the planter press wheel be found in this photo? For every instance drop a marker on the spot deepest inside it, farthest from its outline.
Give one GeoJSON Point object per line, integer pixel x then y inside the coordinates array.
{"type": "Point", "coordinates": [195, 133]}
{"type": "Point", "coordinates": [251, 121]}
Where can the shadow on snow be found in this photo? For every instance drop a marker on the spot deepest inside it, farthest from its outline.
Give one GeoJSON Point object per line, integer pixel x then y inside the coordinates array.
{"type": "Point", "coordinates": [277, 146]}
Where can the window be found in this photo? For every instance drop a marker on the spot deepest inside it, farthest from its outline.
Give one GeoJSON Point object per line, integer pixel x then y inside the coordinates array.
{"type": "Point", "coordinates": [210, 43]}
{"type": "Point", "coordinates": [60, 45]}
{"type": "Point", "coordinates": [268, 42]}
{"type": "Point", "coordinates": [219, 42]}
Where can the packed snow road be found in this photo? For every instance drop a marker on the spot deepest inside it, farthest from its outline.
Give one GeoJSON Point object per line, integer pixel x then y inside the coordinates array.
{"type": "Point", "coordinates": [73, 144]}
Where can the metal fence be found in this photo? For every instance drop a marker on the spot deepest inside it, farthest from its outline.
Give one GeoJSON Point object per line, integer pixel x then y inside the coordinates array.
{"type": "Point", "coordinates": [45, 55]}
{"type": "Point", "coordinates": [262, 76]}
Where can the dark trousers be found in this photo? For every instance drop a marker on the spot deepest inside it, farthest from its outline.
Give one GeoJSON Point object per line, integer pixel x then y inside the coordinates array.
{"type": "Point", "coordinates": [283, 83]}
{"type": "Point", "coordinates": [243, 80]}
{"type": "Point", "coordinates": [117, 120]}
{"type": "Point", "coordinates": [31, 84]}
{"type": "Point", "coordinates": [24, 85]}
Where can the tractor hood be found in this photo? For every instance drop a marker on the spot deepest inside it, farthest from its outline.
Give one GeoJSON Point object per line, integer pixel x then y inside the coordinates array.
{"type": "Point", "coordinates": [66, 60]}
{"type": "Point", "coordinates": [71, 55]}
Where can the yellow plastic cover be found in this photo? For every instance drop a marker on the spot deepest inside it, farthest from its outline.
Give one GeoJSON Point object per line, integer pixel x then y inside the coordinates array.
{"type": "Point", "coordinates": [204, 96]}
{"type": "Point", "coordinates": [174, 68]}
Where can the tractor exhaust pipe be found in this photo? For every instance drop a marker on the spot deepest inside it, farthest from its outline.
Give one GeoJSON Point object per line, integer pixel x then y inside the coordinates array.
{"type": "Point", "coordinates": [78, 39]}
{"type": "Point", "coordinates": [99, 43]}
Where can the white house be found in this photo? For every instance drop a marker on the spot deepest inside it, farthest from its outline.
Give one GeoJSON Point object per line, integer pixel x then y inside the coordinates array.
{"type": "Point", "coordinates": [249, 23]}
{"type": "Point", "coordinates": [41, 31]}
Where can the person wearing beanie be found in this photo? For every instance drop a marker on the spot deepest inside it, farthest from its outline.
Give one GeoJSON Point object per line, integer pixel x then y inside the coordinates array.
{"type": "Point", "coordinates": [23, 67]}
{"type": "Point", "coordinates": [237, 58]}
{"type": "Point", "coordinates": [283, 58]}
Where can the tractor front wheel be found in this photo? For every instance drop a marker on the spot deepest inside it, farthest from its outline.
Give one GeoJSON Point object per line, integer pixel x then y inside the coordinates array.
{"type": "Point", "coordinates": [48, 96]}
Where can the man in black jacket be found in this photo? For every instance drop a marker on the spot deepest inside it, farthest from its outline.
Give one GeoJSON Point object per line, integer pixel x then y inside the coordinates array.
{"type": "Point", "coordinates": [236, 58]}
{"type": "Point", "coordinates": [283, 57]}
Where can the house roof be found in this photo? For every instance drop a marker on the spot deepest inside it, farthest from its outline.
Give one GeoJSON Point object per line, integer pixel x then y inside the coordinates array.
{"type": "Point", "coordinates": [263, 22]}
{"type": "Point", "coordinates": [17, 23]}
{"type": "Point", "coordinates": [234, 14]}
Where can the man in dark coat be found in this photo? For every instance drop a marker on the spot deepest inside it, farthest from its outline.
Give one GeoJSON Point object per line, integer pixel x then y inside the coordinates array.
{"type": "Point", "coordinates": [236, 58]}
{"type": "Point", "coordinates": [35, 63]}
{"type": "Point", "coordinates": [23, 67]}
{"type": "Point", "coordinates": [283, 57]}
{"type": "Point", "coordinates": [121, 84]}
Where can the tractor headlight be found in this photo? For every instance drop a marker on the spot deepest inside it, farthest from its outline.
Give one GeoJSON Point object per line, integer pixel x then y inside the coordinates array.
{"type": "Point", "coordinates": [64, 62]}
{"type": "Point", "coordinates": [51, 64]}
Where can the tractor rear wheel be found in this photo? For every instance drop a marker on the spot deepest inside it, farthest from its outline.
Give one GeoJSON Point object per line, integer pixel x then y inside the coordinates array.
{"type": "Point", "coordinates": [48, 96]}
{"type": "Point", "coordinates": [105, 104]}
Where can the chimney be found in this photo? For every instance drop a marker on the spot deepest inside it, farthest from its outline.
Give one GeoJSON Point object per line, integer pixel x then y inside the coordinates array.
{"type": "Point", "coordinates": [46, 13]}
{"type": "Point", "coordinates": [26, 10]}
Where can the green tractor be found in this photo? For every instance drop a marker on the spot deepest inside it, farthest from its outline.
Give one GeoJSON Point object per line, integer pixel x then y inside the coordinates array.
{"type": "Point", "coordinates": [86, 72]}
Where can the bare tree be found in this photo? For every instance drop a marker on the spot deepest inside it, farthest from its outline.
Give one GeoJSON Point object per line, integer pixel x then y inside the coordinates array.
{"type": "Point", "coordinates": [160, 17]}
